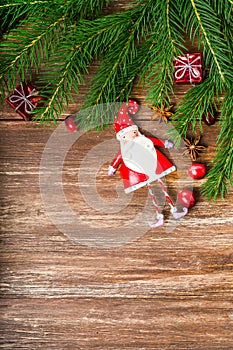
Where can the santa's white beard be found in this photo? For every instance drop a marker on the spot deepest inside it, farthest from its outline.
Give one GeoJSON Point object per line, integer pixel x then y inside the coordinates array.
{"type": "Point", "coordinates": [140, 155]}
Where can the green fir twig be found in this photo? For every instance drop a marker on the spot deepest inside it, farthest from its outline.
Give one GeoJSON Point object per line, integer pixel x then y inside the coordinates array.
{"type": "Point", "coordinates": [220, 175]}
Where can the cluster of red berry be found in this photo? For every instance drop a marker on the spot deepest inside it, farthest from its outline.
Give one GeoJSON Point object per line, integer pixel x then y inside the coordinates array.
{"type": "Point", "coordinates": [187, 197]}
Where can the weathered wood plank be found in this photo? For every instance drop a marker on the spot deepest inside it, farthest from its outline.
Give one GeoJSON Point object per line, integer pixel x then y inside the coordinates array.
{"type": "Point", "coordinates": [169, 288]}
{"type": "Point", "coordinates": [119, 324]}
{"type": "Point", "coordinates": [164, 290]}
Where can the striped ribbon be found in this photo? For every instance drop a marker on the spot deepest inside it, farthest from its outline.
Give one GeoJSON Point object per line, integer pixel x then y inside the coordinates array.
{"type": "Point", "coordinates": [153, 199]}
{"type": "Point", "coordinates": [165, 193]}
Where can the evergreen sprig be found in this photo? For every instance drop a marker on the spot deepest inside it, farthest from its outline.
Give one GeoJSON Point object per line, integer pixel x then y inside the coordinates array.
{"type": "Point", "coordinates": [220, 176]}
{"type": "Point", "coordinates": [168, 43]}
{"type": "Point", "coordinates": [12, 12]}
{"type": "Point", "coordinates": [26, 48]}
{"type": "Point", "coordinates": [54, 43]}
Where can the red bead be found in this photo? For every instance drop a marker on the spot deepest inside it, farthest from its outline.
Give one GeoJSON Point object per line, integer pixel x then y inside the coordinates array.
{"type": "Point", "coordinates": [70, 124]}
{"type": "Point", "coordinates": [186, 198]}
{"type": "Point", "coordinates": [197, 170]}
{"type": "Point", "coordinates": [133, 106]}
{"type": "Point", "coordinates": [208, 119]}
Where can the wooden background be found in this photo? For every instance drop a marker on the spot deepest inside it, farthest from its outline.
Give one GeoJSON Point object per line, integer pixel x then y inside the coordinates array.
{"type": "Point", "coordinates": [163, 290]}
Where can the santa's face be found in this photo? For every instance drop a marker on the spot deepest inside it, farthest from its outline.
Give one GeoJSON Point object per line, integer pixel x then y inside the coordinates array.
{"type": "Point", "coordinates": [138, 153]}
{"type": "Point", "coordinates": [129, 135]}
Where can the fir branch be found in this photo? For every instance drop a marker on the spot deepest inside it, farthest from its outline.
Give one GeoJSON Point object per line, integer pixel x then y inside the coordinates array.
{"type": "Point", "coordinates": [87, 40]}
{"type": "Point", "coordinates": [169, 43]}
{"type": "Point", "coordinates": [102, 86]}
{"type": "Point", "coordinates": [67, 73]}
{"type": "Point", "coordinates": [26, 47]}
{"type": "Point", "coordinates": [24, 55]}
{"type": "Point", "coordinates": [115, 81]}
{"type": "Point", "coordinates": [136, 69]}
{"type": "Point", "coordinates": [99, 115]}
{"type": "Point", "coordinates": [94, 36]}
{"type": "Point", "coordinates": [197, 101]}
{"type": "Point", "coordinates": [58, 83]}
{"type": "Point", "coordinates": [21, 3]}
{"type": "Point", "coordinates": [211, 48]}
{"type": "Point", "coordinates": [118, 56]}
{"type": "Point", "coordinates": [219, 178]}
{"type": "Point", "coordinates": [81, 9]}
{"type": "Point", "coordinates": [202, 98]}
{"type": "Point", "coordinates": [204, 23]}
{"type": "Point", "coordinates": [223, 8]}
{"type": "Point", "coordinates": [11, 13]}
{"type": "Point", "coordinates": [224, 11]}
{"type": "Point", "coordinates": [32, 44]}
{"type": "Point", "coordinates": [54, 104]}
{"type": "Point", "coordinates": [120, 69]}
{"type": "Point", "coordinates": [125, 48]}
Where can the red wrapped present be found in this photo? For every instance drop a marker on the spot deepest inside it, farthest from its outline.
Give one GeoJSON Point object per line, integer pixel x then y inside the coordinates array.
{"type": "Point", "coordinates": [24, 99]}
{"type": "Point", "coordinates": [188, 68]}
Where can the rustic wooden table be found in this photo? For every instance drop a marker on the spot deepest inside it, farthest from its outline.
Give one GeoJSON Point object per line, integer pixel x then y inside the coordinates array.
{"type": "Point", "coordinates": [160, 290]}
{"type": "Point", "coordinates": [75, 276]}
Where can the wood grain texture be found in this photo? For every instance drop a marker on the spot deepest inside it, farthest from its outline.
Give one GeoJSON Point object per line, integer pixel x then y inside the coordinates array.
{"type": "Point", "coordinates": [160, 291]}
{"type": "Point", "coordinates": [165, 289]}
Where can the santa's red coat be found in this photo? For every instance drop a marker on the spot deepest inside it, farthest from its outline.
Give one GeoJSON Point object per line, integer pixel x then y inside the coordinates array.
{"type": "Point", "coordinates": [133, 180]}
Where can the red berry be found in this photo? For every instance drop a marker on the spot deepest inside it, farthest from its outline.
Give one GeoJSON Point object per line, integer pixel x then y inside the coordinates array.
{"type": "Point", "coordinates": [186, 198]}
{"type": "Point", "coordinates": [208, 119]}
{"type": "Point", "coordinates": [70, 124]}
{"type": "Point", "coordinates": [197, 170]}
{"type": "Point", "coordinates": [132, 106]}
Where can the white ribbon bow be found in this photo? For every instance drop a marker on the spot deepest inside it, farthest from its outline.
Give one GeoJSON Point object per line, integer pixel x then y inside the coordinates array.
{"type": "Point", "coordinates": [21, 98]}
{"type": "Point", "coordinates": [190, 66]}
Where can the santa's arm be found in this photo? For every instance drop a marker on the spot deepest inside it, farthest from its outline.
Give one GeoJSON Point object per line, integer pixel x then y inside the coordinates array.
{"type": "Point", "coordinates": [115, 163]}
{"type": "Point", "coordinates": [162, 143]}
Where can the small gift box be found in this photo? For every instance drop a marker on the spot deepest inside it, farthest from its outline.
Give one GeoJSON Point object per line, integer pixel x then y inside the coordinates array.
{"type": "Point", "coordinates": [24, 99]}
{"type": "Point", "coordinates": [188, 68]}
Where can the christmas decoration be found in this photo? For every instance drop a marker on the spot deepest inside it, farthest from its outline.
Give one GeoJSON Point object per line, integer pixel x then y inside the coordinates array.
{"type": "Point", "coordinates": [70, 124]}
{"type": "Point", "coordinates": [188, 68]}
{"type": "Point", "coordinates": [197, 170]}
{"type": "Point", "coordinates": [193, 147]}
{"type": "Point", "coordinates": [140, 162]}
{"type": "Point", "coordinates": [24, 99]}
{"type": "Point", "coordinates": [56, 42]}
{"type": "Point", "coordinates": [209, 118]}
{"type": "Point", "coordinates": [163, 113]}
{"type": "Point", "coordinates": [186, 198]}
{"type": "Point", "coordinates": [132, 107]}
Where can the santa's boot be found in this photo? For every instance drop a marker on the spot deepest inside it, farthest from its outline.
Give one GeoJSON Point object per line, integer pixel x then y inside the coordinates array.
{"type": "Point", "coordinates": [177, 215]}
{"type": "Point", "coordinates": [159, 222]}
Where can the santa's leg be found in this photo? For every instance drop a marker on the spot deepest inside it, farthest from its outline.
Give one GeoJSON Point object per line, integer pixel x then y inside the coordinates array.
{"type": "Point", "coordinates": [174, 212]}
{"type": "Point", "coordinates": [160, 219]}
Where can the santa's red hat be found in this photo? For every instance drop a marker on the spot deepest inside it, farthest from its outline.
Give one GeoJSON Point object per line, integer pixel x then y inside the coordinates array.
{"type": "Point", "coordinates": [123, 123]}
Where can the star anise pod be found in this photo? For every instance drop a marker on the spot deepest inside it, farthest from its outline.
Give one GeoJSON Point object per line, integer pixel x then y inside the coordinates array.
{"type": "Point", "coordinates": [163, 113]}
{"type": "Point", "coordinates": [193, 148]}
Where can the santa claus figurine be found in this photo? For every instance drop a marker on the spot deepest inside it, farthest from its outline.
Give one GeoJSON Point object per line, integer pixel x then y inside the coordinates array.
{"type": "Point", "coordinates": [139, 161]}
